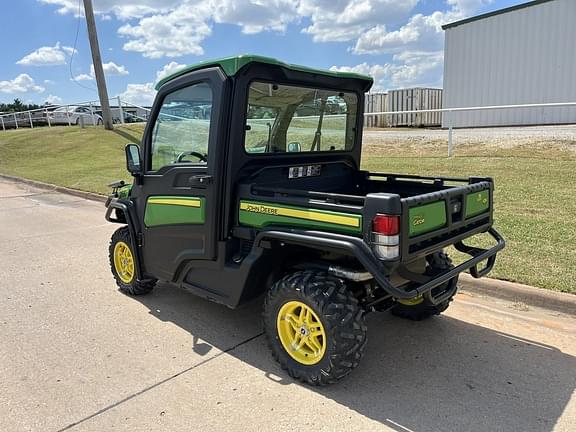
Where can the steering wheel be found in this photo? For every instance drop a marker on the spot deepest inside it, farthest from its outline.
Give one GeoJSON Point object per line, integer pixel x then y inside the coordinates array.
{"type": "Point", "coordinates": [202, 157]}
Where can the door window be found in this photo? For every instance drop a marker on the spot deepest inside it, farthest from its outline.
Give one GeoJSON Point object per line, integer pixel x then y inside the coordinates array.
{"type": "Point", "coordinates": [182, 129]}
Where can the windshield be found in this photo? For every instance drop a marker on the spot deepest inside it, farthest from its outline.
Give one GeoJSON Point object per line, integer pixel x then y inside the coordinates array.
{"type": "Point", "coordinates": [286, 118]}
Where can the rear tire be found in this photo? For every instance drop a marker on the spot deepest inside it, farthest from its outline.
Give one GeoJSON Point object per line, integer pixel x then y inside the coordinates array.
{"type": "Point", "coordinates": [332, 338]}
{"type": "Point", "coordinates": [123, 264]}
{"type": "Point", "coordinates": [437, 263]}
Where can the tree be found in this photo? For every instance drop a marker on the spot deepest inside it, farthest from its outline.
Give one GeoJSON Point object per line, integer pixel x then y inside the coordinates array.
{"type": "Point", "coordinates": [16, 106]}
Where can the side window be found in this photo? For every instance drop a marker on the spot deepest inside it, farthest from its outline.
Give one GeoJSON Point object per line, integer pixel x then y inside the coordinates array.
{"type": "Point", "coordinates": [181, 132]}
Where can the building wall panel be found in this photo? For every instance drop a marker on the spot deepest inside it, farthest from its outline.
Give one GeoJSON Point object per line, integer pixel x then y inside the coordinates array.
{"type": "Point", "coordinates": [522, 56]}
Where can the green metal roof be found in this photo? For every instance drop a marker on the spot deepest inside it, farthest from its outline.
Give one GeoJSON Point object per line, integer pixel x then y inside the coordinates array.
{"type": "Point", "coordinates": [494, 13]}
{"type": "Point", "coordinates": [231, 66]}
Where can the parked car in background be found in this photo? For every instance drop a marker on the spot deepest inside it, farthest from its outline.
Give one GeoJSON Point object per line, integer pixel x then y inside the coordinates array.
{"type": "Point", "coordinates": [71, 115]}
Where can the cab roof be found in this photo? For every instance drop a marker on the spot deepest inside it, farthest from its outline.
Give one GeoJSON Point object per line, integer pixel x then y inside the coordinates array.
{"type": "Point", "coordinates": [231, 66]}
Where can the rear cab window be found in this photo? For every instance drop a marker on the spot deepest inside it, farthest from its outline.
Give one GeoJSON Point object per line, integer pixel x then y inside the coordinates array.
{"type": "Point", "coordinates": [293, 119]}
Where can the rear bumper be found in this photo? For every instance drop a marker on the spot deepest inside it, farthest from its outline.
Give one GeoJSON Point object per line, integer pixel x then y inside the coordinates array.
{"type": "Point", "coordinates": [478, 255]}
{"type": "Point", "coordinates": [381, 270]}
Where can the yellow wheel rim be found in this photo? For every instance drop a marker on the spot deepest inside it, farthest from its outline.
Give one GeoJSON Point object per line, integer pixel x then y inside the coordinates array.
{"type": "Point", "coordinates": [123, 262]}
{"type": "Point", "coordinates": [411, 302]}
{"type": "Point", "coordinates": [301, 332]}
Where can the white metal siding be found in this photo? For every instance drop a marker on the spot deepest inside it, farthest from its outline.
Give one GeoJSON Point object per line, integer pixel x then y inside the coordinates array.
{"type": "Point", "coordinates": [522, 56]}
{"type": "Point", "coordinates": [415, 99]}
{"type": "Point", "coordinates": [375, 102]}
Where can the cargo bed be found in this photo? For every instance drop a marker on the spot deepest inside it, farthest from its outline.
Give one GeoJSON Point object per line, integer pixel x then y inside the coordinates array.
{"type": "Point", "coordinates": [434, 211]}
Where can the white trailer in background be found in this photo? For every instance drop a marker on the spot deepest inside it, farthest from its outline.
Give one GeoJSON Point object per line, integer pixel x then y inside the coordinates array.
{"type": "Point", "coordinates": [524, 54]}
{"type": "Point", "coordinates": [375, 102]}
{"type": "Point", "coordinates": [404, 100]}
{"type": "Point", "coordinates": [415, 99]}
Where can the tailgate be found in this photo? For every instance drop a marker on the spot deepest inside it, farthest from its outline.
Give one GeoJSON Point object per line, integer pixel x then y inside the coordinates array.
{"type": "Point", "coordinates": [438, 219]}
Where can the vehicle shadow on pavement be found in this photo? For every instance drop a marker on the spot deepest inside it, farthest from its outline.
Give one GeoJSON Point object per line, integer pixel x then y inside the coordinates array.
{"type": "Point", "coordinates": [440, 375]}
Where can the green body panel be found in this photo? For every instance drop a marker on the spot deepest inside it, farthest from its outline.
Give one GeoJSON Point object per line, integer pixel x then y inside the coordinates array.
{"type": "Point", "coordinates": [426, 218]}
{"type": "Point", "coordinates": [477, 203]}
{"type": "Point", "coordinates": [231, 66]}
{"type": "Point", "coordinates": [124, 191]}
{"type": "Point", "coordinates": [181, 212]}
{"type": "Point", "coordinates": [262, 214]}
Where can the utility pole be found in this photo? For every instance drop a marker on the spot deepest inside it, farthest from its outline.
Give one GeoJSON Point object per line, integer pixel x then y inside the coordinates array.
{"type": "Point", "coordinates": [97, 61]}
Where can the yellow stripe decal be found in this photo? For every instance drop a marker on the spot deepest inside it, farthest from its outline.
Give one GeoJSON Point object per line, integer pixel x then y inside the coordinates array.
{"type": "Point", "coordinates": [301, 214]}
{"type": "Point", "coordinates": [175, 201]}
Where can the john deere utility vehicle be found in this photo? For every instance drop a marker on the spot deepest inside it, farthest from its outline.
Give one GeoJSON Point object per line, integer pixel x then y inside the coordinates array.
{"type": "Point", "coordinates": [248, 183]}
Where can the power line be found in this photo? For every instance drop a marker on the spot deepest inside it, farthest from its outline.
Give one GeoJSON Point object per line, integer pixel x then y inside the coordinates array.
{"type": "Point", "coordinates": [72, 77]}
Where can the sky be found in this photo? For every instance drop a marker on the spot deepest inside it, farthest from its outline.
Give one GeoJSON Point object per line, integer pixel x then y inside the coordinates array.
{"type": "Point", "coordinates": [46, 56]}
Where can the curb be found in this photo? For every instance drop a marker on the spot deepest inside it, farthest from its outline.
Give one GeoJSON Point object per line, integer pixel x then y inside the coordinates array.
{"type": "Point", "coordinates": [74, 192]}
{"type": "Point", "coordinates": [515, 292]}
{"type": "Point", "coordinates": [509, 291]}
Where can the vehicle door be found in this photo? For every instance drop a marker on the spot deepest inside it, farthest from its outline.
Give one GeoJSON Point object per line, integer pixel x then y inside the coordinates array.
{"type": "Point", "coordinates": [177, 199]}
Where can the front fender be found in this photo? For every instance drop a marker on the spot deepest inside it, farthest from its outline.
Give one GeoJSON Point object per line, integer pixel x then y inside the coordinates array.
{"type": "Point", "coordinates": [126, 208]}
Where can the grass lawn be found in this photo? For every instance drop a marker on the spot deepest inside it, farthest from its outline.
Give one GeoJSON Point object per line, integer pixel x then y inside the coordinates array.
{"type": "Point", "coordinates": [535, 194]}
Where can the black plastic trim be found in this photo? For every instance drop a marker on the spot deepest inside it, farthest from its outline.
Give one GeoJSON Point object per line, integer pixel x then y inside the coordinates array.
{"type": "Point", "coordinates": [381, 270]}
{"type": "Point", "coordinates": [116, 204]}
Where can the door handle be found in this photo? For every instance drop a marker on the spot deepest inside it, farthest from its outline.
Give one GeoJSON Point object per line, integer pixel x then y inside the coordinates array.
{"type": "Point", "coordinates": [200, 180]}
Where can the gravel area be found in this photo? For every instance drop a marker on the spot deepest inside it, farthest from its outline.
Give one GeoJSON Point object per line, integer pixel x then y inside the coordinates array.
{"type": "Point", "coordinates": [560, 137]}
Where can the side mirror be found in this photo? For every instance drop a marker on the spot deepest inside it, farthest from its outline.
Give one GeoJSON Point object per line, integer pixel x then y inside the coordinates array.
{"type": "Point", "coordinates": [294, 147]}
{"type": "Point", "coordinates": [133, 159]}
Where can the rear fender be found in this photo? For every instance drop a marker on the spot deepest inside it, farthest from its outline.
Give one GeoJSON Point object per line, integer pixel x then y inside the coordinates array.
{"type": "Point", "coordinates": [380, 270]}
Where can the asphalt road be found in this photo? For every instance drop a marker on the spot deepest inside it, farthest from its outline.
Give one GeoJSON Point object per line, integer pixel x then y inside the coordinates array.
{"type": "Point", "coordinates": [75, 354]}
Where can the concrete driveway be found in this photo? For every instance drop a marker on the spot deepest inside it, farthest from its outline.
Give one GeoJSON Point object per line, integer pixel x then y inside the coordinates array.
{"type": "Point", "coordinates": [75, 354]}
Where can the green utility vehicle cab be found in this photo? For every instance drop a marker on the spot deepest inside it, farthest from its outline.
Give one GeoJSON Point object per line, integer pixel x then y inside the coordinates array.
{"type": "Point", "coordinates": [248, 183]}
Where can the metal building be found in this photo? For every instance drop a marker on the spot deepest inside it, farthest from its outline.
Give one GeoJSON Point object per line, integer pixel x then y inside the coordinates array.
{"type": "Point", "coordinates": [518, 55]}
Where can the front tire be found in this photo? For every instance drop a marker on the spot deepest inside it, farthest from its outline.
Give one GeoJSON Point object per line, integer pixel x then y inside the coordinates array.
{"type": "Point", "coordinates": [123, 264]}
{"type": "Point", "coordinates": [314, 326]}
{"type": "Point", "coordinates": [418, 310]}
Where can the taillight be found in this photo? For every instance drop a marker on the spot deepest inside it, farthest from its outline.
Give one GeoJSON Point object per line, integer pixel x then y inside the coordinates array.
{"type": "Point", "coordinates": [386, 236]}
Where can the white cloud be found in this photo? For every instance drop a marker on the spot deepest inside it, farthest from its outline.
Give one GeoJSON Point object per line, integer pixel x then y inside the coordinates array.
{"type": "Point", "coordinates": [83, 77]}
{"type": "Point", "coordinates": [126, 9]}
{"type": "Point", "coordinates": [111, 68]}
{"type": "Point", "coordinates": [169, 69]}
{"type": "Point", "coordinates": [23, 83]}
{"type": "Point", "coordinates": [175, 28]}
{"type": "Point", "coordinates": [49, 82]}
{"type": "Point", "coordinates": [172, 28]}
{"type": "Point", "coordinates": [47, 56]}
{"type": "Point", "coordinates": [143, 94]}
{"type": "Point", "coordinates": [416, 46]}
{"type": "Point", "coordinates": [53, 100]}
{"type": "Point", "coordinates": [346, 20]}
{"type": "Point", "coordinates": [139, 94]}
{"type": "Point", "coordinates": [466, 8]}
{"type": "Point", "coordinates": [176, 33]}
{"type": "Point", "coordinates": [408, 69]}
{"type": "Point", "coordinates": [421, 32]}
{"type": "Point", "coordinates": [255, 16]}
